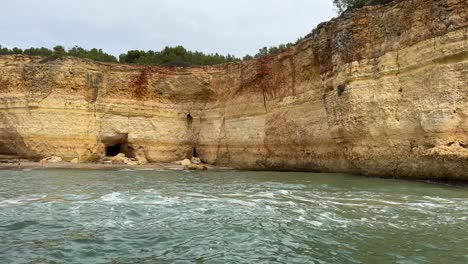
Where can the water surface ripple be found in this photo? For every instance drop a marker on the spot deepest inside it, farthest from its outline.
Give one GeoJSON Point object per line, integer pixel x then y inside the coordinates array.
{"type": "Point", "coordinates": [131, 216]}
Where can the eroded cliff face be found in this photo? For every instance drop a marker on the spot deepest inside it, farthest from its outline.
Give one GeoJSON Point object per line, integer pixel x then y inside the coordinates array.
{"type": "Point", "coordinates": [381, 91]}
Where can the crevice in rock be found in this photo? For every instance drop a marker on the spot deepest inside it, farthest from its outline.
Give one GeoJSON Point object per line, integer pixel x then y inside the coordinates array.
{"type": "Point", "coordinates": [192, 152]}
{"type": "Point", "coordinates": [341, 89]}
{"type": "Point", "coordinates": [293, 75]}
{"type": "Point", "coordinates": [222, 153]}
{"type": "Point", "coordinates": [429, 145]}
{"type": "Point", "coordinates": [140, 83]}
{"type": "Point", "coordinates": [264, 100]}
{"type": "Point", "coordinates": [189, 121]}
{"type": "Point", "coordinates": [413, 145]}
{"type": "Point", "coordinates": [93, 83]}
{"type": "Point", "coordinates": [262, 73]}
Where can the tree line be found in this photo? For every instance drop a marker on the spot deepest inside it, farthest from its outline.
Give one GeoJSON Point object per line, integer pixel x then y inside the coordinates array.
{"type": "Point", "coordinates": [169, 56]}
{"type": "Point", "coordinates": [60, 51]}
{"type": "Point", "coordinates": [172, 56]}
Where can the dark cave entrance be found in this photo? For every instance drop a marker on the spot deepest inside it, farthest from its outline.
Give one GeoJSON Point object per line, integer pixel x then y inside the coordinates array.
{"type": "Point", "coordinates": [114, 150]}
{"type": "Point", "coordinates": [189, 121]}
{"type": "Point", "coordinates": [121, 146]}
{"type": "Point", "coordinates": [194, 152]}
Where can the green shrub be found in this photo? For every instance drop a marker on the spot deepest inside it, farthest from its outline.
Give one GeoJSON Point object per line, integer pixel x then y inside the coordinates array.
{"type": "Point", "coordinates": [345, 5]}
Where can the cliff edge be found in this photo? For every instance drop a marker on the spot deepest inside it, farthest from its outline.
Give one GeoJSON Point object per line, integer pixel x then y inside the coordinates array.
{"type": "Point", "coordinates": [380, 91]}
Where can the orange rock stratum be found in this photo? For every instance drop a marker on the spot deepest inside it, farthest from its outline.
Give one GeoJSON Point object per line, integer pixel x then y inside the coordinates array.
{"type": "Point", "coordinates": [381, 91]}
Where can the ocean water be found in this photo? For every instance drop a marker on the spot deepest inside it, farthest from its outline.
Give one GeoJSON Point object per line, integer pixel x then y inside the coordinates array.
{"type": "Point", "coordinates": [155, 216]}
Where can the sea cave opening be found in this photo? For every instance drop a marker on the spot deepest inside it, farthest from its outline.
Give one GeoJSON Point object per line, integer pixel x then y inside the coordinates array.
{"type": "Point", "coordinates": [114, 150]}
{"type": "Point", "coordinates": [194, 152]}
{"type": "Point", "coordinates": [121, 146]}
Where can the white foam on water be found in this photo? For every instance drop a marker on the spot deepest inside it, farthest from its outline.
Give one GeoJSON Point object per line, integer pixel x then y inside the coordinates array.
{"type": "Point", "coordinates": [265, 195]}
{"type": "Point", "coordinates": [175, 169]}
{"type": "Point", "coordinates": [302, 199]}
{"type": "Point", "coordinates": [348, 204]}
{"type": "Point", "coordinates": [330, 218]}
{"type": "Point", "coordinates": [10, 202]}
{"type": "Point", "coordinates": [151, 191]}
{"type": "Point", "coordinates": [240, 202]}
{"type": "Point", "coordinates": [112, 197]}
{"type": "Point", "coordinates": [395, 226]}
{"type": "Point", "coordinates": [300, 211]}
{"type": "Point", "coordinates": [103, 223]}
{"type": "Point", "coordinates": [148, 197]}
{"type": "Point", "coordinates": [232, 194]}
{"type": "Point", "coordinates": [311, 222]}
{"type": "Point", "coordinates": [128, 223]}
{"type": "Point", "coordinates": [83, 202]}
{"type": "Point", "coordinates": [75, 210]}
{"type": "Point", "coordinates": [265, 201]}
{"type": "Point", "coordinates": [23, 200]}
{"type": "Point", "coordinates": [438, 199]}
{"type": "Point", "coordinates": [425, 205]}
{"type": "Point", "coordinates": [201, 195]}
{"type": "Point", "coordinates": [390, 202]}
{"type": "Point", "coordinates": [209, 199]}
{"type": "Point", "coordinates": [164, 201]}
{"type": "Point", "coordinates": [76, 197]}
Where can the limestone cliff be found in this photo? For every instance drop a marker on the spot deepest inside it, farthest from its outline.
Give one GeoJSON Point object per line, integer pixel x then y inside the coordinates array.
{"type": "Point", "coordinates": [380, 91]}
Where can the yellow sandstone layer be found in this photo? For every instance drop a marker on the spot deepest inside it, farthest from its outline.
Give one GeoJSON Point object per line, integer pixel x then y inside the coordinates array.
{"type": "Point", "coordinates": [381, 91]}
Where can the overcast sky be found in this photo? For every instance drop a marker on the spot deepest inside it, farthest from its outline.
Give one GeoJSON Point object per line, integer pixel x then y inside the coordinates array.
{"type": "Point", "coordinates": [237, 27]}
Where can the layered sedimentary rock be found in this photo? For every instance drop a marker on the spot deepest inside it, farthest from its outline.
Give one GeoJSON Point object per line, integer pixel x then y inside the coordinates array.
{"type": "Point", "coordinates": [381, 91]}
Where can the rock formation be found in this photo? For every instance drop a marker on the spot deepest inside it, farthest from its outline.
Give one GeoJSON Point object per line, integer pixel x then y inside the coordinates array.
{"type": "Point", "coordinates": [380, 91]}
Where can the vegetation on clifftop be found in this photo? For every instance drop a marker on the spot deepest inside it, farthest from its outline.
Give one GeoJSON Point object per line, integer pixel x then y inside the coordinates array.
{"type": "Point", "coordinates": [174, 56]}
{"type": "Point", "coordinates": [177, 56]}
{"type": "Point", "coordinates": [170, 56]}
{"type": "Point", "coordinates": [346, 5]}
{"type": "Point", "coordinates": [60, 51]}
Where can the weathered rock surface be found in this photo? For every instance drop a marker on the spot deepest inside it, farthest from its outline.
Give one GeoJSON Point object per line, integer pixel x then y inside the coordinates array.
{"type": "Point", "coordinates": [382, 91]}
{"type": "Point", "coordinates": [196, 160]}
{"type": "Point", "coordinates": [52, 159]}
{"type": "Point", "coordinates": [122, 159]}
{"type": "Point", "coordinates": [185, 162]}
{"type": "Point", "coordinates": [192, 166]}
{"type": "Point", "coordinates": [119, 158]}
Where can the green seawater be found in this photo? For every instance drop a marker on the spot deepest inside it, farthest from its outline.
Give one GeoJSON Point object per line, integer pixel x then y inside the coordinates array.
{"type": "Point", "coordinates": [138, 216]}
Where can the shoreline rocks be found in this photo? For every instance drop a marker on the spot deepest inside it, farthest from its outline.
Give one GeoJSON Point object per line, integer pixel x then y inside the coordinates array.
{"type": "Point", "coordinates": [122, 159]}
{"type": "Point", "coordinates": [52, 159]}
{"type": "Point", "coordinates": [192, 164]}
